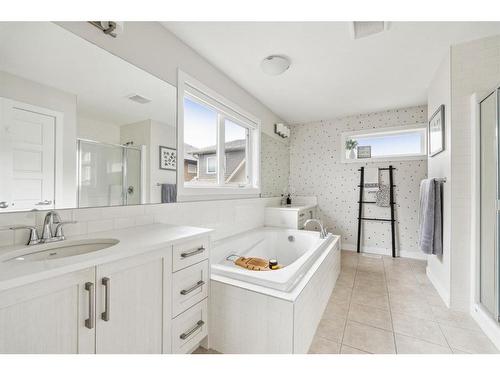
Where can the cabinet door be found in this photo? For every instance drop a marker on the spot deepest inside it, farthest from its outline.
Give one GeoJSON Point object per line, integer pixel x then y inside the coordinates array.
{"type": "Point", "coordinates": [129, 306]}
{"type": "Point", "coordinates": [49, 316]}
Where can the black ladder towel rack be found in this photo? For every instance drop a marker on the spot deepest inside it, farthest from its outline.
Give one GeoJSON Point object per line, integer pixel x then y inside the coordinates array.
{"type": "Point", "coordinates": [392, 220]}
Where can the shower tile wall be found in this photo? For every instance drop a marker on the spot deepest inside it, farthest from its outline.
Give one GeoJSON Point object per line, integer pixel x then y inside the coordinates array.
{"type": "Point", "coordinates": [316, 169]}
{"type": "Point", "coordinates": [275, 165]}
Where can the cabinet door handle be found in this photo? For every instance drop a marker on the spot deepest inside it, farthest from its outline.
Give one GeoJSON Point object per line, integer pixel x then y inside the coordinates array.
{"type": "Point", "coordinates": [194, 252]}
{"type": "Point", "coordinates": [4, 204]}
{"type": "Point", "coordinates": [89, 322]}
{"type": "Point", "coordinates": [46, 202]}
{"type": "Point", "coordinates": [198, 325]}
{"type": "Point", "coordinates": [199, 284]}
{"type": "Point", "coordinates": [107, 293]}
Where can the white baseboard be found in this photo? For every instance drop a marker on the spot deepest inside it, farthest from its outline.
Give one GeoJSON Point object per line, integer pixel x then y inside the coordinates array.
{"type": "Point", "coordinates": [442, 291]}
{"type": "Point", "coordinates": [385, 251]}
{"type": "Point", "coordinates": [490, 327]}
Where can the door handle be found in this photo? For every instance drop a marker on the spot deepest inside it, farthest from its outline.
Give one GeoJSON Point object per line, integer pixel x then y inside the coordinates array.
{"type": "Point", "coordinates": [199, 284]}
{"type": "Point", "coordinates": [89, 322]}
{"type": "Point", "coordinates": [4, 204]}
{"type": "Point", "coordinates": [107, 293]}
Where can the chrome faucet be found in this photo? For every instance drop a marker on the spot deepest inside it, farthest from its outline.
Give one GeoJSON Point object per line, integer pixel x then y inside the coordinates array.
{"type": "Point", "coordinates": [48, 235]}
{"type": "Point", "coordinates": [322, 233]}
{"type": "Point", "coordinates": [52, 218]}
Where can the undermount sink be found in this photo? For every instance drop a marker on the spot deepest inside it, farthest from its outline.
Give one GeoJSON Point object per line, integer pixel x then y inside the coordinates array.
{"type": "Point", "coordinates": [62, 249]}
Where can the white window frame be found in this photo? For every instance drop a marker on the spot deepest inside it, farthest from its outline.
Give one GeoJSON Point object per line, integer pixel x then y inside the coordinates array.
{"type": "Point", "coordinates": [188, 86]}
{"type": "Point", "coordinates": [422, 127]}
{"type": "Point", "coordinates": [215, 166]}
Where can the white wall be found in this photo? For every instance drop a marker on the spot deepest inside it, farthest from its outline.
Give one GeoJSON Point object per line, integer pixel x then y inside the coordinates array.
{"type": "Point", "coordinates": [161, 135]}
{"type": "Point", "coordinates": [26, 91]}
{"type": "Point", "coordinates": [475, 67]}
{"type": "Point", "coordinates": [316, 169]}
{"type": "Point", "coordinates": [97, 130]}
{"type": "Point", "coordinates": [439, 268]}
{"type": "Point", "coordinates": [153, 48]}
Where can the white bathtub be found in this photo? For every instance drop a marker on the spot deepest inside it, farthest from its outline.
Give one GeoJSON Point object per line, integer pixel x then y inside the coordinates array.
{"type": "Point", "coordinates": [295, 250]}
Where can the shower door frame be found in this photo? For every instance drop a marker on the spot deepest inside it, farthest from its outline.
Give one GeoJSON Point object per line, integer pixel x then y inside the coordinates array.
{"type": "Point", "coordinates": [124, 170]}
{"type": "Point", "coordinates": [477, 306]}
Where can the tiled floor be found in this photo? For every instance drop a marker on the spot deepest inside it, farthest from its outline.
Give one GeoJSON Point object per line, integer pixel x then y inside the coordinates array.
{"type": "Point", "coordinates": [386, 305]}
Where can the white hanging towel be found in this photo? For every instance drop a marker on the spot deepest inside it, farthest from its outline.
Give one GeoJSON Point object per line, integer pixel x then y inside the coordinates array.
{"type": "Point", "coordinates": [371, 179]}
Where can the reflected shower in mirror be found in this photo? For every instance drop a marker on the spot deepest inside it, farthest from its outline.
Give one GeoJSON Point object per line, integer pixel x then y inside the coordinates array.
{"type": "Point", "coordinates": [80, 127]}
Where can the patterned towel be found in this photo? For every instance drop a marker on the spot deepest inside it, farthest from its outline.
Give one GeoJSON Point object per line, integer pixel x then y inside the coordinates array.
{"type": "Point", "coordinates": [382, 198]}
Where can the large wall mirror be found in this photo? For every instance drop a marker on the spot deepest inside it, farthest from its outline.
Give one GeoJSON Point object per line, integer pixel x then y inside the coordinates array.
{"type": "Point", "coordinates": [80, 127]}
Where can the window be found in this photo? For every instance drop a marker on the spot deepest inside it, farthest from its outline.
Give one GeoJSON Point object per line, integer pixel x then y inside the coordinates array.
{"type": "Point", "coordinates": [218, 137]}
{"type": "Point", "coordinates": [192, 168]}
{"type": "Point", "coordinates": [401, 143]}
{"type": "Point", "coordinates": [211, 164]}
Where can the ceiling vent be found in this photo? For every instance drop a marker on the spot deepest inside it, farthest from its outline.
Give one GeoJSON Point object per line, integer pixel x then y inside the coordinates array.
{"type": "Point", "coordinates": [139, 99]}
{"type": "Point", "coordinates": [362, 29]}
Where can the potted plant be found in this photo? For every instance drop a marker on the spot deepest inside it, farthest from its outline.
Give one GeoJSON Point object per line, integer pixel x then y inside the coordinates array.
{"type": "Point", "coordinates": [350, 146]}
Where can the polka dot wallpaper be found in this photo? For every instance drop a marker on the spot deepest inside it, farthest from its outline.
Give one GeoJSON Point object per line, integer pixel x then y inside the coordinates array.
{"type": "Point", "coordinates": [275, 166]}
{"type": "Point", "coordinates": [316, 169]}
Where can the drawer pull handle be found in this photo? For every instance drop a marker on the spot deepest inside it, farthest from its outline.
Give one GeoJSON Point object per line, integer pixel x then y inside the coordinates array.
{"type": "Point", "coordinates": [302, 214]}
{"type": "Point", "coordinates": [198, 325]}
{"type": "Point", "coordinates": [89, 322]}
{"type": "Point", "coordinates": [106, 282]}
{"type": "Point", "coordinates": [199, 284]}
{"type": "Point", "coordinates": [194, 252]}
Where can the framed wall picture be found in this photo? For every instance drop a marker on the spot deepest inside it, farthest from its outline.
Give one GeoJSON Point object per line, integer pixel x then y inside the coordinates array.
{"type": "Point", "coordinates": [168, 158]}
{"type": "Point", "coordinates": [364, 152]}
{"type": "Point", "coordinates": [436, 132]}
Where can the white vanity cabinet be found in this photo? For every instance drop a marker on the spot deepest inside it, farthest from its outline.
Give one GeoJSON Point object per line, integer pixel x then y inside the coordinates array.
{"type": "Point", "coordinates": [155, 302]}
{"type": "Point", "coordinates": [49, 316]}
{"type": "Point", "coordinates": [129, 295]}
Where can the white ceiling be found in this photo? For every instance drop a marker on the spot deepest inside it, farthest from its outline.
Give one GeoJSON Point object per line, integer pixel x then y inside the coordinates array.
{"type": "Point", "coordinates": [48, 54]}
{"type": "Point", "coordinates": [331, 74]}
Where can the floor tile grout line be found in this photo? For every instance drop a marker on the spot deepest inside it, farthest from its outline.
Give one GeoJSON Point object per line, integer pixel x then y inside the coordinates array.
{"type": "Point", "coordinates": [390, 311]}
{"type": "Point", "coordinates": [349, 305]}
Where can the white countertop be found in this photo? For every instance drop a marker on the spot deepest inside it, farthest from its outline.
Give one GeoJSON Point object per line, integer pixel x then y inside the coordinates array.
{"type": "Point", "coordinates": [293, 207]}
{"type": "Point", "coordinates": [133, 241]}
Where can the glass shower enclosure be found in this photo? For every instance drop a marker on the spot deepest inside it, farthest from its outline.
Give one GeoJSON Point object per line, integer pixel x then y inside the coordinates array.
{"type": "Point", "coordinates": [108, 174]}
{"type": "Point", "coordinates": [488, 267]}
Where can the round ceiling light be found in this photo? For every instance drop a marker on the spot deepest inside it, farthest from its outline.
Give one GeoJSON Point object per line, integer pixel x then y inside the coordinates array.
{"type": "Point", "coordinates": [275, 65]}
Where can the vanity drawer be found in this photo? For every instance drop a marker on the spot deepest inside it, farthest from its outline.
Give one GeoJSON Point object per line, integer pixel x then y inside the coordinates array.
{"type": "Point", "coordinates": [189, 253]}
{"type": "Point", "coordinates": [189, 286]}
{"type": "Point", "coordinates": [189, 328]}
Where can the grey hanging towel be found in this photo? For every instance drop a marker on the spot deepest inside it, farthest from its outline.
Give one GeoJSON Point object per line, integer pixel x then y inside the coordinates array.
{"type": "Point", "coordinates": [426, 216]}
{"type": "Point", "coordinates": [168, 193]}
{"type": "Point", "coordinates": [438, 218]}
{"type": "Point", "coordinates": [382, 198]}
{"type": "Point", "coordinates": [430, 238]}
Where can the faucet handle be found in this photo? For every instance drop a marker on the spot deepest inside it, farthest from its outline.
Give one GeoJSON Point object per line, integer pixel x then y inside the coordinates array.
{"type": "Point", "coordinates": [34, 239]}
{"type": "Point", "coordinates": [59, 229]}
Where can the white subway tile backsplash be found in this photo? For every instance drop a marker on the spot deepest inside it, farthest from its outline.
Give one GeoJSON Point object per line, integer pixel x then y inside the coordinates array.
{"type": "Point", "coordinates": [124, 222]}
{"type": "Point", "coordinates": [99, 225]}
{"type": "Point", "coordinates": [87, 214]}
{"type": "Point", "coordinates": [219, 215]}
{"type": "Point", "coordinates": [144, 220]}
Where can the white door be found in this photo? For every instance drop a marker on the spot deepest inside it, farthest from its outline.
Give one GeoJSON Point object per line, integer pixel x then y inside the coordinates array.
{"type": "Point", "coordinates": [50, 316]}
{"type": "Point", "coordinates": [27, 156]}
{"type": "Point", "coordinates": [129, 306]}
